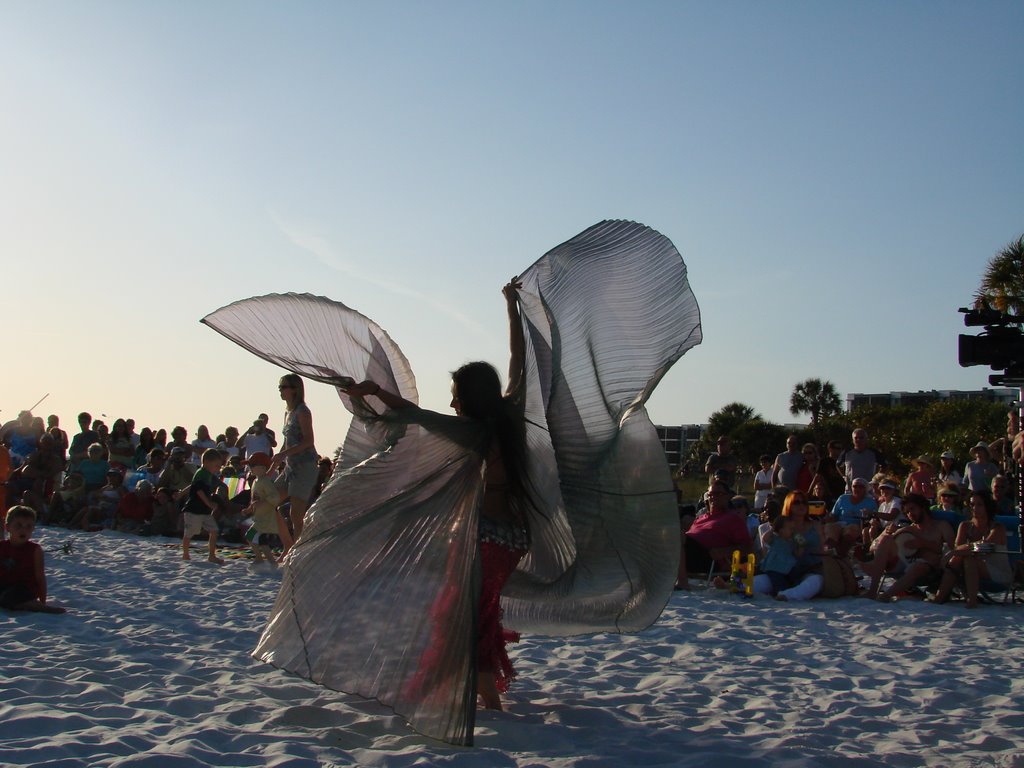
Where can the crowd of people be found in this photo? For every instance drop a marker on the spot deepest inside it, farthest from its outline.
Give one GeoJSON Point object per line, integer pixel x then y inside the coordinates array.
{"type": "Point", "coordinates": [148, 483]}
{"type": "Point", "coordinates": [933, 533]}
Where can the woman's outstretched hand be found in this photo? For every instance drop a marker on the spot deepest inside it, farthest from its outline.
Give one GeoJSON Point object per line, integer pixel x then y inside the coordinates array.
{"type": "Point", "coordinates": [363, 388]}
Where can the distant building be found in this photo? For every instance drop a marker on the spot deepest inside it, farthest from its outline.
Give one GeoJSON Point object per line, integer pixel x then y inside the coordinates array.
{"type": "Point", "coordinates": [677, 441]}
{"type": "Point", "coordinates": [1004, 395]}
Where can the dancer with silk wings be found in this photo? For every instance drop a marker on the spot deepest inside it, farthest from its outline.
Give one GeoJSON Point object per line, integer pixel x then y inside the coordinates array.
{"type": "Point", "coordinates": [380, 593]}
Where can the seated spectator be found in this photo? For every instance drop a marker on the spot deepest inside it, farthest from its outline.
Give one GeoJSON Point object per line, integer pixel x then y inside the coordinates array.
{"type": "Point", "coordinates": [947, 473]}
{"type": "Point", "coordinates": [324, 469]}
{"type": "Point", "coordinates": [60, 437]}
{"type": "Point", "coordinates": [177, 475]}
{"type": "Point", "coordinates": [5, 474]}
{"type": "Point", "coordinates": [101, 506]}
{"type": "Point", "coordinates": [804, 580]}
{"type": "Point", "coordinates": [132, 435]}
{"type": "Point", "coordinates": [179, 439]}
{"type": "Point", "coordinates": [166, 520]}
{"type": "Point", "coordinates": [912, 553]}
{"type": "Point", "coordinates": [889, 509]}
{"type": "Point", "coordinates": [741, 507]}
{"type": "Point", "coordinates": [780, 558]}
{"type": "Point", "coordinates": [67, 502]}
{"type": "Point", "coordinates": [94, 468]}
{"type": "Point", "coordinates": [772, 510]}
{"type": "Point", "coordinates": [979, 560]}
{"type": "Point", "coordinates": [818, 498]}
{"type": "Point", "coordinates": [1001, 495]}
{"type": "Point", "coordinates": [948, 509]}
{"type": "Point", "coordinates": [134, 512]}
{"type": "Point", "coordinates": [145, 445]}
{"type": "Point", "coordinates": [102, 436]}
{"type": "Point", "coordinates": [120, 451]}
{"type": "Point", "coordinates": [713, 536]}
{"type": "Point", "coordinates": [154, 465]}
{"type": "Point", "coordinates": [32, 483]}
{"type": "Point", "coordinates": [850, 515]}
{"type": "Point", "coordinates": [922, 480]}
{"type": "Point", "coordinates": [160, 439]}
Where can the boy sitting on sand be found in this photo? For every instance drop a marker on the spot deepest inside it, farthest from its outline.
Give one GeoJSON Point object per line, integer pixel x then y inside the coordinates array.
{"type": "Point", "coordinates": [22, 579]}
{"type": "Point", "coordinates": [202, 503]}
{"type": "Point", "coordinates": [263, 509]}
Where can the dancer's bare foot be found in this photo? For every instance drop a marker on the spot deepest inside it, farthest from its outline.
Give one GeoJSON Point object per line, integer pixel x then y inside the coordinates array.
{"type": "Point", "coordinates": [487, 690]}
{"type": "Point", "coordinates": [37, 607]}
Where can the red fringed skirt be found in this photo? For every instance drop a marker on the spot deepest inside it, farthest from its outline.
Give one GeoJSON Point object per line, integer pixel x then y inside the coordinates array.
{"type": "Point", "coordinates": [497, 562]}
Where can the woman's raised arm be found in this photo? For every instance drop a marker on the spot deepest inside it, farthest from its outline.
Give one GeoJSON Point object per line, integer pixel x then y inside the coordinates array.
{"type": "Point", "coordinates": [516, 342]}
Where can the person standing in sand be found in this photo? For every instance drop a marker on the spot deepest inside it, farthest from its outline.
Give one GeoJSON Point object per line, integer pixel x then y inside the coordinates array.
{"type": "Point", "coordinates": [298, 458]}
{"type": "Point", "coordinates": [202, 504]}
{"type": "Point", "coordinates": [263, 508]}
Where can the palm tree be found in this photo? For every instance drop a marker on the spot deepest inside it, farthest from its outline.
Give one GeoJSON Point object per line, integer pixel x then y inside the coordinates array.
{"type": "Point", "coordinates": [729, 417]}
{"type": "Point", "coordinates": [816, 397]}
{"type": "Point", "coordinates": [1002, 286]}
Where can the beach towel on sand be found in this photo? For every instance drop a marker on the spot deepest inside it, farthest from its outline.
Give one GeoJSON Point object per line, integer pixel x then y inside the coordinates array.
{"type": "Point", "coordinates": [387, 557]}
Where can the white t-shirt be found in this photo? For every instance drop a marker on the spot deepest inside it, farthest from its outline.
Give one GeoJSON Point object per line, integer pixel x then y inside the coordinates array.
{"type": "Point", "coordinates": [258, 444]}
{"type": "Point", "coordinates": [760, 497]}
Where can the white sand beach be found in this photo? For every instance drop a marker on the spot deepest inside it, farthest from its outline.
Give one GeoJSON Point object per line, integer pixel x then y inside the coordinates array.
{"type": "Point", "coordinates": [151, 667]}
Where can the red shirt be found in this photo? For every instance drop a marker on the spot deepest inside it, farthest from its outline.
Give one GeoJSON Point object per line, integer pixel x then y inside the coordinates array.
{"type": "Point", "coordinates": [18, 565]}
{"type": "Point", "coordinates": [133, 507]}
{"type": "Point", "coordinates": [720, 529]}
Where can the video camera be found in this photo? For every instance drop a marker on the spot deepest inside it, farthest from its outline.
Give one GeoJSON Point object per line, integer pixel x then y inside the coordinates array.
{"type": "Point", "coordinates": [1000, 346]}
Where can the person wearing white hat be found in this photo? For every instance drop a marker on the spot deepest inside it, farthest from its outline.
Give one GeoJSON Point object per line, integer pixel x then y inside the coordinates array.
{"type": "Point", "coordinates": [947, 472]}
{"type": "Point", "coordinates": [978, 473]}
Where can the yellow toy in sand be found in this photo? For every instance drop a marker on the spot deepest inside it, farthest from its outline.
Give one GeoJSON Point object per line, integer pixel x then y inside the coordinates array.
{"type": "Point", "coordinates": [741, 577]}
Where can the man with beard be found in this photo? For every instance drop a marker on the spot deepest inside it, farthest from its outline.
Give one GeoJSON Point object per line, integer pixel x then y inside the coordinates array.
{"type": "Point", "coordinates": [912, 553]}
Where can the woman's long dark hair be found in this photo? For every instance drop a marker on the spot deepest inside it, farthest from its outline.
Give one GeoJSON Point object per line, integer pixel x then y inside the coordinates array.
{"type": "Point", "coordinates": [991, 509]}
{"type": "Point", "coordinates": [478, 389]}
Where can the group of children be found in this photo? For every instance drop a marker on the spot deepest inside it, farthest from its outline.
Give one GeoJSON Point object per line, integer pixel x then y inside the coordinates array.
{"type": "Point", "coordinates": [203, 503]}
{"type": "Point", "coordinates": [22, 575]}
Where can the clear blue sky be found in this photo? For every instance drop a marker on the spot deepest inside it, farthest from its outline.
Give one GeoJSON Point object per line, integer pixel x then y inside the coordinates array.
{"type": "Point", "coordinates": [836, 176]}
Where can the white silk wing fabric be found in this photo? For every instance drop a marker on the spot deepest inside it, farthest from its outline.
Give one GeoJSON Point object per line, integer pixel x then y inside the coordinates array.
{"type": "Point", "coordinates": [606, 314]}
{"type": "Point", "coordinates": [378, 596]}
